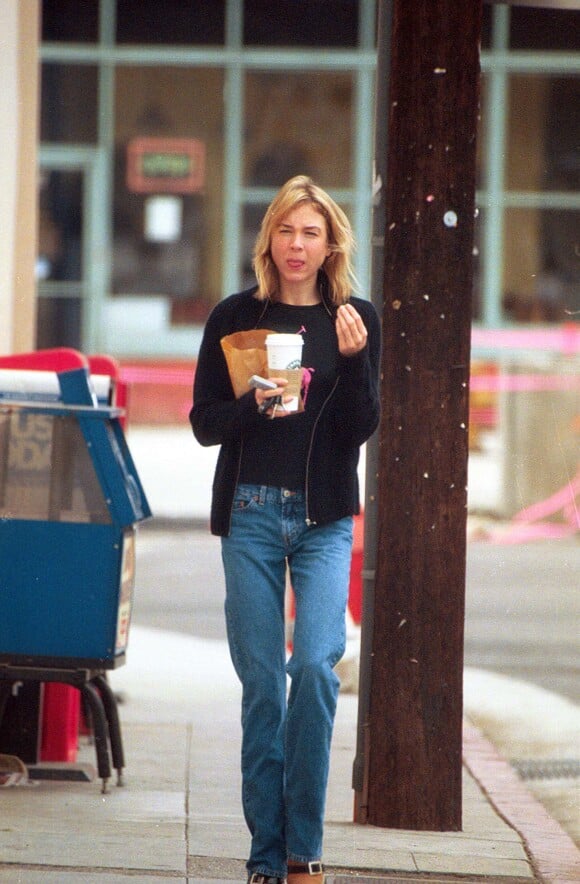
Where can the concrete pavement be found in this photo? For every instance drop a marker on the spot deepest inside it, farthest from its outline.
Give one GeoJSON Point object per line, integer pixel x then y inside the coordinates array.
{"type": "Point", "coordinates": [178, 817]}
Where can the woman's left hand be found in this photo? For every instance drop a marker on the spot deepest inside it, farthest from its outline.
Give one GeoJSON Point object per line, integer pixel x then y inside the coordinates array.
{"type": "Point", "coordinates": [350, 331]}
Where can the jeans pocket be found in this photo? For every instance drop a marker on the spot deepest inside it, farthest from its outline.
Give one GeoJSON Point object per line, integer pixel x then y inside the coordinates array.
{"type": "Point", "coordinates": [246, 499]}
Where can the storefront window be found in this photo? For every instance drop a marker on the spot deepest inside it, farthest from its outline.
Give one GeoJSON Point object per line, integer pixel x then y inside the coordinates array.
{"type": "Point", "coordinates": [63, 22]}
{"type": "Point", "coordinates": [301, 22]}
{"type": "Point", "coordinates": [167, 213]}
{"type": "Point", "coordinates": [563, 134]}
{"type": "Point", "coordinates": [298, 123]}
{"type": "Point", "coordinates": [486, 26]}
{"type": "Point", "coordinates": [59, 262]}
{"type": "Point", "coordinates": [196, 22]}
{"type": "Point", "coordinates": [252, 218]}
{"type": "Point", "coordinates": [543, 29]}
{"type": "Point", "coordinates": [543, 134]}
{"type": "Point", "coordinates": [68, 112]}
{"type": "Point", "coordinates": [172, 144]}
{"type": "Point", "coordinates": [481, 154]}
{"type": "Point", "coordinates": [541, 277]}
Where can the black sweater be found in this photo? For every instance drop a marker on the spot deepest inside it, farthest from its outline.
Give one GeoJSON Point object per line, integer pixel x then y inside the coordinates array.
{"type": "Point", "coordinates": [338, 422]}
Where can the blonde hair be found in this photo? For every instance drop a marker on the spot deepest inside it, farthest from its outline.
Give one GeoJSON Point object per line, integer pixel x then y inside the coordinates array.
{"type": "Point", "coordinates": [337, 266]}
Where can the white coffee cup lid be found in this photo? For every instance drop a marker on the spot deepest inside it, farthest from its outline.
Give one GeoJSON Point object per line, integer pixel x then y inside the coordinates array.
{"type": "Point", "coordinates": [285, 340]}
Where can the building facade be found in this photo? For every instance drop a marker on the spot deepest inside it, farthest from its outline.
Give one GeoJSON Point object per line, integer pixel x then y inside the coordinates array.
{"type": "Point", "coordinates": [165, 129]}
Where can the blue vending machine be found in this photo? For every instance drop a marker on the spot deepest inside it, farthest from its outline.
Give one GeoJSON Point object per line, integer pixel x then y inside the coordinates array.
{"type": "Point", "coordinates": [70, 500]}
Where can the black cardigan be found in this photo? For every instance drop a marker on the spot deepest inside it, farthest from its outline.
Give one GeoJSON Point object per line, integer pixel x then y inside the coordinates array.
{"type": "Point", "coordinates": [348, 417]}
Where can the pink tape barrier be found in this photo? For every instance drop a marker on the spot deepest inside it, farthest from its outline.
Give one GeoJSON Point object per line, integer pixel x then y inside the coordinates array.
{"type": "Point", "coordinates": [564, 338]}
{"type": "Point", "coordinates": [528, 524]}
{"type": "Point", "coordinates": [523, 383]}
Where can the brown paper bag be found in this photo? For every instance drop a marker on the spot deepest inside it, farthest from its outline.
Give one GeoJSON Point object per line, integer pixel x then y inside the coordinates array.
{"type": "Point", "coordinates": [245, 354]}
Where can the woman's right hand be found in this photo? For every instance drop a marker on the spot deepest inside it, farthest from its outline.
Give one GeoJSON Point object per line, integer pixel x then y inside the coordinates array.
{"type": "Point", "coordinates": [262, 397]}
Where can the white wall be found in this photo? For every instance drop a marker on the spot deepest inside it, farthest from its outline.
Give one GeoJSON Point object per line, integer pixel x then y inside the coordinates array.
{"type": "Point", "coordinates": [19, 26]}
{"type": "Point", "coordinates": [8, 165]}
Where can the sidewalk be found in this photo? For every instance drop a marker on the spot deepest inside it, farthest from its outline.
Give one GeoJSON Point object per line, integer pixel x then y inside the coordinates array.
{"type": "Point", "coordinates": [178, 816]}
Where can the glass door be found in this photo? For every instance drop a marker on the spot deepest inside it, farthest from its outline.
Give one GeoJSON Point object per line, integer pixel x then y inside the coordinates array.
{"type": "Point", "coordinates": [59, 263]}
{"type": "Point", "coordinates": [68, 302]}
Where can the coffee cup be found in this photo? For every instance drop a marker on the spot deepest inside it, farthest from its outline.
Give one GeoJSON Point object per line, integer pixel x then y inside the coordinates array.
{"type": "Point", "coordinates": [285, 361]}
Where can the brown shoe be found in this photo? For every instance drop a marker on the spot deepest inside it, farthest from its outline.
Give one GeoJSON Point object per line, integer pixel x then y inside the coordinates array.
{"type": "Point", "coordinates": [306, 873]}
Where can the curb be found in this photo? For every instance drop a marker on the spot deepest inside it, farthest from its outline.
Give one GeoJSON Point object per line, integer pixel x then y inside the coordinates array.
{"type": "Point", "coordinates": [554, 857]}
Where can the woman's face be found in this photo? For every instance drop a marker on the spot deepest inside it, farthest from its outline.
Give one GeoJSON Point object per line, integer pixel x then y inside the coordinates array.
{"type": "Point", "coordinates": [299, 247]}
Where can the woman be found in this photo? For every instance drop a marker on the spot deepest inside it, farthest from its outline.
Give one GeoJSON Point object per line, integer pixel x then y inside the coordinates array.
{"type": "Point", "coordinates": [285, 491]}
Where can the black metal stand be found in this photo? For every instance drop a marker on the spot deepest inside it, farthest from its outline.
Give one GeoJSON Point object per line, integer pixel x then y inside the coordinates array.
{"type": "Point", "coordinates": [99, 698]}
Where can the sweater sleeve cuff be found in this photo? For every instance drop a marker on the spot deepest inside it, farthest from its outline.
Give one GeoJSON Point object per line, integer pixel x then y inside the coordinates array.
{"type": "Point", "coordinates": [247, 409]}
{"type": "Point", "coordinates": [354, 367]}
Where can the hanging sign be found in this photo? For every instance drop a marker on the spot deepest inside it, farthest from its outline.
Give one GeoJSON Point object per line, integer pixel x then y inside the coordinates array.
{"type": "Point", "coordinates": [165, 165]}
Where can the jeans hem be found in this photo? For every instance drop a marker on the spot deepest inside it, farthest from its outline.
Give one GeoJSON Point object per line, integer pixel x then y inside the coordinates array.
{"type": "Point", "coordinates": [262, 870]}
{"type": "Point", "coordinates": [298, 858]}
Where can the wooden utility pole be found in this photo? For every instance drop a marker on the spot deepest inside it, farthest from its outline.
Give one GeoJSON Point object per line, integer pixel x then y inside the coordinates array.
{"type": "Point", "coordinates": [413, 726]}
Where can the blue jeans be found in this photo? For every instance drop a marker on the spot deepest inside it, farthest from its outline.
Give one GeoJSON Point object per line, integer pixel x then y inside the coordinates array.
{"type": "Point", "coordinates": [286, 742]}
